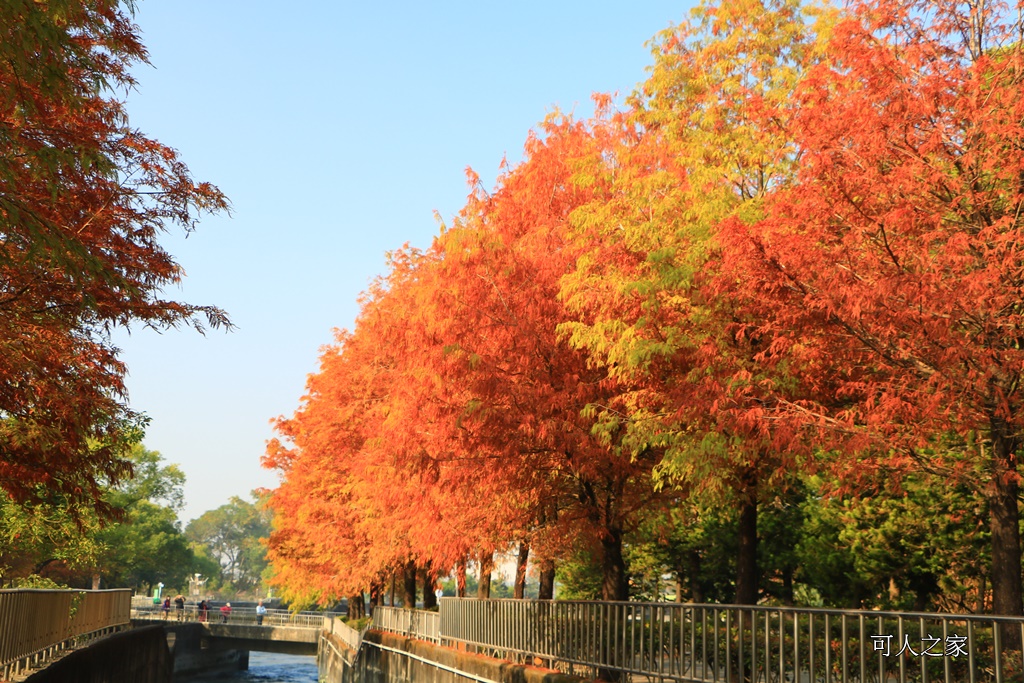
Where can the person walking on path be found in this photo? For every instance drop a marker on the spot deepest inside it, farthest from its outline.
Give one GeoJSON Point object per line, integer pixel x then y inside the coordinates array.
{"type": "Point", "coordinates": [261, 612]}
{"type": "Point", "coordinates": [204, 609]}
{"type": "Point", "coordinates": [166, 608]}
{"type": "Point", "coordinates": [179, 606]}
{"type": "Point", "coordinates": [225, 612]}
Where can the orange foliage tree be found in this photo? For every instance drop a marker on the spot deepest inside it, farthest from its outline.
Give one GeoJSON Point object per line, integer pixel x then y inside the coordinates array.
{"type": "Point", "coordinates": [533, 399]}
{"type": "Point", "coordinates": [484, 402]}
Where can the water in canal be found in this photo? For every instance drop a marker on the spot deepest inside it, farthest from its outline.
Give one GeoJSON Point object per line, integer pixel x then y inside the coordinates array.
{"type": "Point", "coordinates": [267, 667]}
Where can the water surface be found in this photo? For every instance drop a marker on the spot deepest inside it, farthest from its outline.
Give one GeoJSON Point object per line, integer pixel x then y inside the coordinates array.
{"type": "Point", "coordinates": [266, 667]}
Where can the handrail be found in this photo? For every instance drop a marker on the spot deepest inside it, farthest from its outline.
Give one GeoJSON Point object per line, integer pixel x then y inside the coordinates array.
{"type": "Point", "coordinates": [34, 623]}
{"type": "Point", "coordinates": [238, 615]}
{"type": "Point", "coordinates": [348, 635]}
{"type": "Point", "coordinates": [422, 624]}
{"type": "Point", "coordinates": [706, 642]}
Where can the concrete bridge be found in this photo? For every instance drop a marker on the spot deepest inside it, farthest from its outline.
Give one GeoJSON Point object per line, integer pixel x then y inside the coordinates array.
{"type": "Point", "coordinates": [211, 647]}
{"type": "Point", "coordinates": [290, 640]}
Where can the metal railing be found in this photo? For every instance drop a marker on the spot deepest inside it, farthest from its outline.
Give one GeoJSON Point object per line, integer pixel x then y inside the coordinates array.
{"type": "Point", "coordinates": [416, 623]}
{"type": "Point", "coordinates": [238, 615]}
{"type": "Point", "coordinates": [699, 643]}
{"type": "Point", "coordinates": [348, 635]}
{"type": "Point", "coordinates": [36, 624]}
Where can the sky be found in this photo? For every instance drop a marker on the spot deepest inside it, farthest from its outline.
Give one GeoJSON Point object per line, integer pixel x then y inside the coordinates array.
{"type": "Point", "coordinates": [337, 130]}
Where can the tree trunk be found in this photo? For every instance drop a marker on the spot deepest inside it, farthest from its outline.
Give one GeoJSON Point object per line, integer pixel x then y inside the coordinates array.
{"type": "Point", "coordinates": [547, 580]}
{"type": "Point", "coordinates": [1004, 524]}
{"type": "Point", "coordinates": [376, 599]}
{"type": "Point", "coordinates": [460, 579]}
{"type": "Point", "coordinates": [746, 558]}
{"type": "Point", "coordinates": [429, 597]}
{"type": "Point", "coordinates": [356, 606]}
{"type": "Point", "coordinates": [486, 567]}
{"type": "Point", "coordinates": [696, 587]}
{"type": "Point", "coordinates": [393, 588]}
{"type": "Point", "coordinates": [409, 597]}
{"type": "Point", "coordinates": [96, 581]}
{"type": "Point", "coordinates": [614, 586]}
{"type": "Point", "coordinates": [520, 585]}
{"type": "Point", "coordinates": [614, 582]}
{"type": "Point", "coordinates": [788, 598]}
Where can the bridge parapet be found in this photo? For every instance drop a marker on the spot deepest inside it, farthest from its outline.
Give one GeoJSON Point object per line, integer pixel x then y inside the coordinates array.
{"type": "Point", "coordinates": [243, 615]}
{"type": "Point", "coordinates": [251, 632]}
{"type": "Point", "coordinates": [36, 624]}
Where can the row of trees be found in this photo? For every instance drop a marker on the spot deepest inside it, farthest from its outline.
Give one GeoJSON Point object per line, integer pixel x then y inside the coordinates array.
{"type": "Point", "coordinates": [789, 269]}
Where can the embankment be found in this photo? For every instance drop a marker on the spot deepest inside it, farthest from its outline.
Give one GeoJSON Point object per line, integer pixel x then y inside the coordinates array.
{"type": "Point", "coordinates": [139, 655]}
{"type": "Point", "coordinates": [389, 658]}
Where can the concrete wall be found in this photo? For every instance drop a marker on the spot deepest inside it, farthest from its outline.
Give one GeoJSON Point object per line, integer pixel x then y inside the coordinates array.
{"type": "Point", "coordinates": [287, 640]}
{"type": "Point", "coordinates": [335, 660]}
{"type": "Point", "coordinates": [138, 655]}
{"type": "Point", "coordinates": [377, 665]}
{"type": "Point", "coordinates": [193, 654]}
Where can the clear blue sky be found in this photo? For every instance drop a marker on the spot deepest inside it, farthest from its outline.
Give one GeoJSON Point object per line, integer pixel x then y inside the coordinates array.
{"type": "Point", "coordinates": [336, 129]}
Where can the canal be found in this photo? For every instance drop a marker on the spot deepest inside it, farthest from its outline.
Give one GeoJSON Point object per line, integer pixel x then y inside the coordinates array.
{"type": "Point", "coordinates": [266, 667]}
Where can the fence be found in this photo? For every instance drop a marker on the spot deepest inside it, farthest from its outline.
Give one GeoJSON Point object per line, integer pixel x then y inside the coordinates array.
{"type": "Point", "coordinates": [34, 624]}
{"type": "Point", "coordinates": [350, 636]}
{"type": "Point", "coordinates": [238, 615]}
{"type": "Point", "coordinates": [699, 643]}
{"type": "Point", "coordinates": [417, 623]}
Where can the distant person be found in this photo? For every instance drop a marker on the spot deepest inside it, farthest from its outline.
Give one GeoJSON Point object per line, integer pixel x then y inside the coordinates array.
{"type": "Point", "coordinates": [225, 612]}
{"type": "Point", "coordinates": [167, 607]}
{"type": "Point", "coordinates": [179, 606]}
{"type": "Point", "coordinates": [204, 609]}
{"type": "Point", "coordinates": [261, 612]}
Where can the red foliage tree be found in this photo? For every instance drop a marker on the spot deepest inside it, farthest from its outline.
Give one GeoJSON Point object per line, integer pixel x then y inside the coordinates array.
{"type": "Point", "coordinates": [83, 200]}
{"type": "Point", "coordinates": [896, 254]}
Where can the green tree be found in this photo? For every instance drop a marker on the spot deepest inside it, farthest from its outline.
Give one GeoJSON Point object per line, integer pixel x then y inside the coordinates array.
{"type": "Point", "coordinates": [923, 545]}
{"type": "Point", "coordinates": [45, 533]}
{"type": "Point", "coordinates": [148, 547]}
{"type": "Point", "coordinates": [141, 545]}
{"type": "Point", "coordinates": [232, 535]}
{"type": "Point", "coordinates": [651, 306]}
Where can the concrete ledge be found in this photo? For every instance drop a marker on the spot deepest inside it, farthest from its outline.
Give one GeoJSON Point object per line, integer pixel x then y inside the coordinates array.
{"type": "Point", "coordinates": [340, 647]}
{"type": "Point", "coordinates": [253, 632]}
